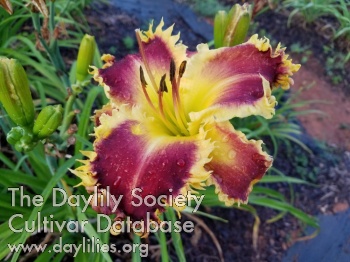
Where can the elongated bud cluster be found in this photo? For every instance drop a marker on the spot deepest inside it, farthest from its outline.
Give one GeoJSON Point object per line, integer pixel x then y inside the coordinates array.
{"type": "Point", "coordinates": [15, 94]}
{"type": "Point", "coordinates": [25, 139]}
{"type": "Point", "coordinates": [85, 56]}
{"type": "Point", "coordinates": [21, 139]}
{"type": "Point", "coordinates": [6, 4]}
{"type": "Point", "coordinates": [15, 134]}
{"type": "Point", "coordinates": [231, 28]}
{"type": "Point", "coordinates": [49, 119]}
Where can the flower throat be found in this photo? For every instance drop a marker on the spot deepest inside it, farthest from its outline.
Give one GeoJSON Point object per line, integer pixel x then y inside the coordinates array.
{"type": "Point", "coordinates": [172, 114]}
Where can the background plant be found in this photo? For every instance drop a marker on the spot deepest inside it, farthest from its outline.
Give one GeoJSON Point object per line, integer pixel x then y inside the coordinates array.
{"type": "Point", "coordinates": [311, 10]}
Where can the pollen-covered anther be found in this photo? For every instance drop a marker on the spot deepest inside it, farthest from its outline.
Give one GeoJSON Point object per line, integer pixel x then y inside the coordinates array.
{"type": "Point", "coordinates": [144, 86]}
{"type": "Point", "coordinates": [182, 68]}
{"type": "Point", "coordinates": [162, 85]}
{"type": "Point", "coordinates": [172, 70]}
{"type": "Point", "coordinates": [162, 88]}
{"type": "Point", "coordinates": [142, 78]}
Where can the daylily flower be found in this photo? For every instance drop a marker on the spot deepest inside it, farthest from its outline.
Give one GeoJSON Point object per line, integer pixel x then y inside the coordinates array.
{"type": "Point", "coordinates": [167, 124]}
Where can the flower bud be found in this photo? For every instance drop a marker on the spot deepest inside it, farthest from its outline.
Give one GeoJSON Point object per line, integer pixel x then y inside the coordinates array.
{"type": "Point", "coordinates": [26, 143]}
{"type": "Point", "coordinates": [232, 28]}
{"type": "Point", "coordinates": [21, 139]}
{"type": "Point", "coordinates": [15, 134]}
{"type": "Point", "coordinates": [15, 95]}
{"type": "Point", "coordinates": [49, 119]}
{"type": "Point", "coordinates": [220, 22]}
{"type": "Point", "coordinates": [6, 4]}
{"type": "Point", "coordinates": [85, 57]}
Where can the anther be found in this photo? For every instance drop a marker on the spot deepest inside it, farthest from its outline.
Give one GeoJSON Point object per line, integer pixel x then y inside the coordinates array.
{"type": "Point", "coordinates": [182, 68]}
{"type": "Point", "coordinates": [142, 77]}
{"type": "Point", "coordinates": [172, 70]}
{"type": "Point", "coordinates": [163, 87]}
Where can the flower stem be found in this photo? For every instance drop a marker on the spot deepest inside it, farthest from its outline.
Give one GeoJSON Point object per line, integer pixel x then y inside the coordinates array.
{"type": "Point", "coordinates": [68, 116]}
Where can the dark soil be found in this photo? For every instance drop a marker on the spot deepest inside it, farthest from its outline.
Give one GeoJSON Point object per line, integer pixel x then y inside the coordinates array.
{"type": "Point", "coordinates": [327, 167]}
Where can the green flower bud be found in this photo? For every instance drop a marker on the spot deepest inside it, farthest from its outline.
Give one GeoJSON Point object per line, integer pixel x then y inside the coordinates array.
{"type": "Point", "coordinates": [15, 95]}
{"type": "Point", "coordinates": [22, 139]}
{"type": "Point", "coordinates": [220, 22]}
{"type": "Point", "coordinates": [85, 56]}
{"type": "Point", "coordinates": [15, 134]}
{"type": "Point", "coordinates": [26, 143]}
{"type": "Point", "coordinates": [231, 29]}
{"type": "Point", "coordinates": [49, 119]}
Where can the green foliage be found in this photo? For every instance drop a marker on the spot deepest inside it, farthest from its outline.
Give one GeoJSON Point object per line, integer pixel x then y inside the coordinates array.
{"type": "Point", "coordinates": [335, 64]}
{"type": "Point", "coordinates": [311, 10]}
{"type": "Point", "coordinates": [304, 51]}
{"type": "Point", "coordinates": [207, 7]}
{"type": "Point", "coordinates": [41, 170]}
{"type": "Point", "coordinates": [129, 42]}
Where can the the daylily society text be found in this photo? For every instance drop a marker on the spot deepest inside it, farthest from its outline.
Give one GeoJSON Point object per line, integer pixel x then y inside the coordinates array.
{"type": "Point", "coordinates": [60, 198]}
{"type": "Point", "coordinates": [104, 223]}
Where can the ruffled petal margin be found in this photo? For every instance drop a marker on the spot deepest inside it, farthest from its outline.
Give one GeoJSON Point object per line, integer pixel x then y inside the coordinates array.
{"type": "Point", "coordinates": [128, 155]}
{"type": "Point", "coordinates": [235, 81]}
{"type": "Point", "coordinates": [237, 163]}
{"type": "Point", "coordinates": [121, 79]}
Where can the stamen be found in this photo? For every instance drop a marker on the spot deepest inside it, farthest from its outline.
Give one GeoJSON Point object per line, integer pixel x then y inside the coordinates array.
{"type": "Point", "coordinates": [160, 94]}
{"type": "Point", "coordinates": [163, 87]}
{"type": "Point", "coordinates": [172, 70]}
{"type": "Point", "coordinates": [145, 62]}
{"type": "Point", "coordinates": [182, 68]}
{"type": "Point", "coordinates": [142, 77]}
{"type": "Point", "coordinates": [144, 85]}
{"type": "Point", "coordinates": [175, 124]}
{"type": "Point", "coordinates": [176, 99]}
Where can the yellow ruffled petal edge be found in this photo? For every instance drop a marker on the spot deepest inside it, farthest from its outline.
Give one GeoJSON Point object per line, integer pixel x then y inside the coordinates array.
{"type": "Point", "coordinates": [177, 49]}
{"type": "Point", "coordinates": [84, 172]}
{"type": "Point", "coordinates": [237, 163]}
{"type": "Point", "coordinates": [108, 62]}
{"type": "Point", "coordinates": [287, 68]}
{"type": "Point", "coordinates": [229, 201]}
